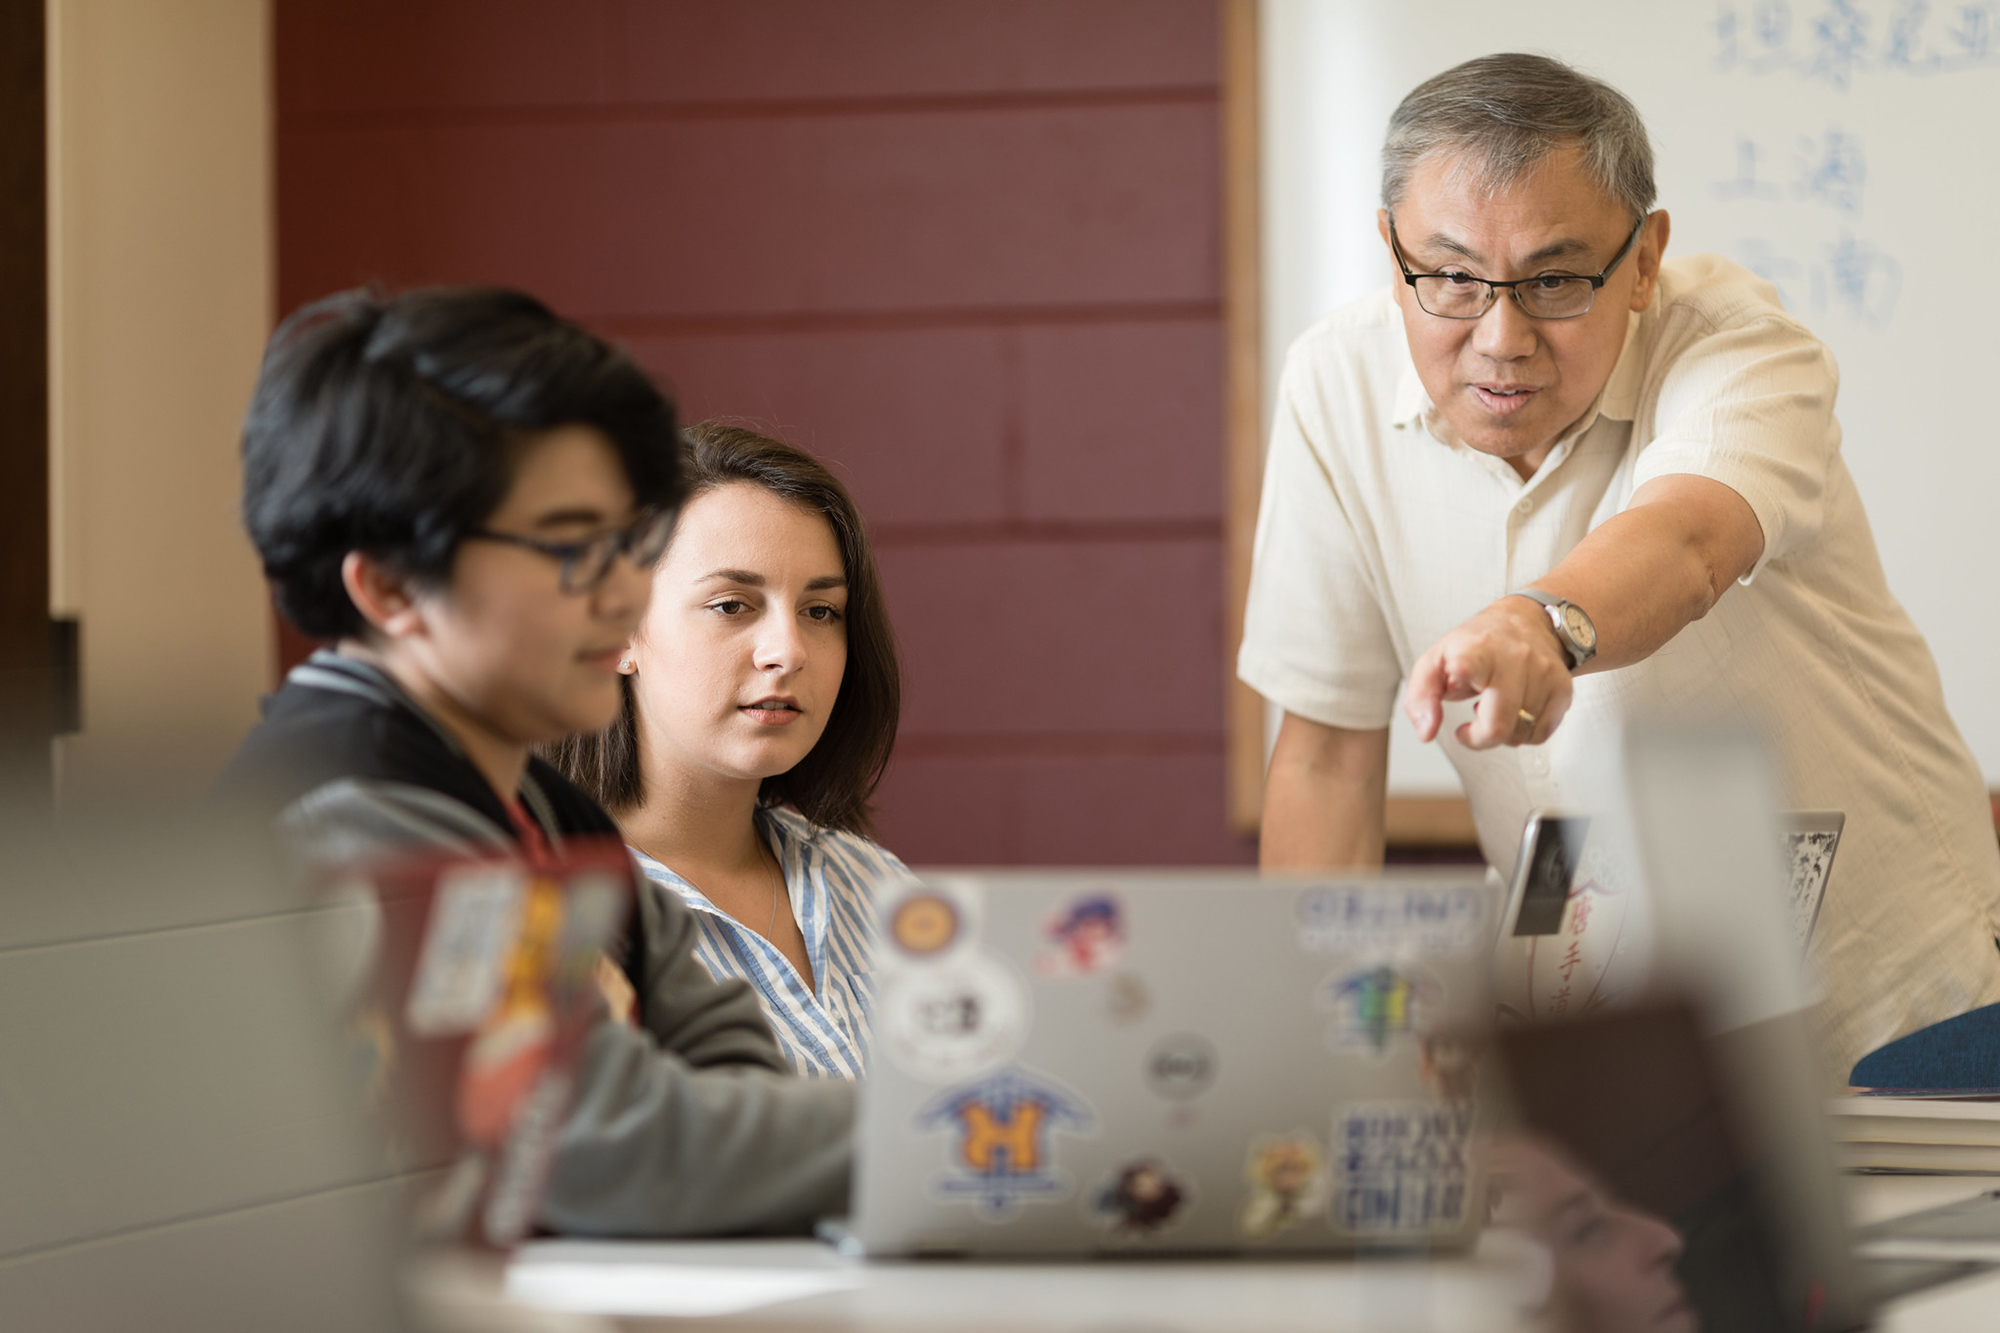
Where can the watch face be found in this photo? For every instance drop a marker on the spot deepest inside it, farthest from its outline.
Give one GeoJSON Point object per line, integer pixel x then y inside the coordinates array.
{"type": "Point", "coordinates": [1580, 628]}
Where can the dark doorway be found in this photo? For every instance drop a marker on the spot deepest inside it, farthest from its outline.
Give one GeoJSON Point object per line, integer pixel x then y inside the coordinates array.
{"type": "Point", "coordinates": [27, 705]}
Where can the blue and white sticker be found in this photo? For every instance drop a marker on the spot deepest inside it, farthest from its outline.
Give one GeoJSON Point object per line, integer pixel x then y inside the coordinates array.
{"type": "Point", "coordinates": [1004, 1131]}
{"type": "Point", "coordinates": [1401, 921]}
{"type": "Point", "coordinates": [1400, 1168]}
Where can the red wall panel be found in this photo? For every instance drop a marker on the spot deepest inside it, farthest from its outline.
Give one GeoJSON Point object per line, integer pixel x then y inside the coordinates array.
{"type": "Point", "coordinates": [1111, 636]}
{"type": "Point", "coordinates": [917, 421]}
{"type": "Point", "coordinates": [387, 56]}
{"type": "Point", "coordinates": [1120, 421]}
{"type": "Point", "coordinates": [679, 218]}
{"type": "Point", "coordinates": [966, 252]}
{"type": "Point", "coordinates": [1056, 809]}
{"type": "Point", "coordinates": [897, 48]}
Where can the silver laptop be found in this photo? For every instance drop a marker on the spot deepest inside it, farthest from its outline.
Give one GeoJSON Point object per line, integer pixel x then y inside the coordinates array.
{"type": "Point", "coordinates": [1087, 1061]}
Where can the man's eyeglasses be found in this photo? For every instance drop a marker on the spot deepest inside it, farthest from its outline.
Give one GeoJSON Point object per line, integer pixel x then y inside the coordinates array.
{"type": "Point", "coordinates": [1551, 296]}
{"type": "Point", "coordinates": [586, 564]}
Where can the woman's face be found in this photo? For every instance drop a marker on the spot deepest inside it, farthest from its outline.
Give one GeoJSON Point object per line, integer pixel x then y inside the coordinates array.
{"type": "Point", "coordinates": [1614, 1265]}
{"type": "Point", "coordinates": [743, 647]}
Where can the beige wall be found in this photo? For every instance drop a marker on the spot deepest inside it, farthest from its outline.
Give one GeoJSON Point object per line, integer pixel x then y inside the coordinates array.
{"type": "Point", "coordinates": [161, 295]}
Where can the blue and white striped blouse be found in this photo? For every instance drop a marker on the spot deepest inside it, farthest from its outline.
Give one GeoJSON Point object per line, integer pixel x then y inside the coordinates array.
{"type": "Point", "coordinates": [834, 880]}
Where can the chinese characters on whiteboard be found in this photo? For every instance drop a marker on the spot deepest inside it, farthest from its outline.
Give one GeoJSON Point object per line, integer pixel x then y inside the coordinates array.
{"type": "Point", "coordinates": [1818, 252]}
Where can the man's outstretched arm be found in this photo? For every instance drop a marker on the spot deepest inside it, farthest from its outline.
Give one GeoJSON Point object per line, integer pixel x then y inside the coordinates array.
{"type": "Point", "coordinates": [1323, 797]}
{"type": "Point", "coordinates": [1642, 576]}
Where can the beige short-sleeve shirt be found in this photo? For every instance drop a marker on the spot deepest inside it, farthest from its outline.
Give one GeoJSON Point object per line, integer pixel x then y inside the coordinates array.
{"type": "Point", "coordinates": [1378, 533]}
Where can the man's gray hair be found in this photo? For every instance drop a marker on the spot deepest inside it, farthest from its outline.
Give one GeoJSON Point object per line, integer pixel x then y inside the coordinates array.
{"type": "Point", "coordinates": [1502, 115]}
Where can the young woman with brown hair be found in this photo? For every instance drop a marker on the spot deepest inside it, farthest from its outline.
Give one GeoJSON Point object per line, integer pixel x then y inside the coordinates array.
{"type": "Point", "coordinates": [761, 702]}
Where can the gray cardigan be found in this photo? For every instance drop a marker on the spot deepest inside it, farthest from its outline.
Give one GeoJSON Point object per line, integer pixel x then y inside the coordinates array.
{"type": "Point", "coordinates": [689, 1123]}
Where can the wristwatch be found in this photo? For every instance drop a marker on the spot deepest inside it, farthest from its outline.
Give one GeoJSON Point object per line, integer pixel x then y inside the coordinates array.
{"type": "Point", "coordinates": [1573, 628]}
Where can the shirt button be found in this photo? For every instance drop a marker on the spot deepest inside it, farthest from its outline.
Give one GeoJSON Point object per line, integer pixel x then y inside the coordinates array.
{"type": "Point", "coordinates": [1525, 507]}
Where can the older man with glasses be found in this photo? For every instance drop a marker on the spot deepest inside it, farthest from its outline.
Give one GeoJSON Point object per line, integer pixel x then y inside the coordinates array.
{"type": "Point", "coordinates": [1549, 478]}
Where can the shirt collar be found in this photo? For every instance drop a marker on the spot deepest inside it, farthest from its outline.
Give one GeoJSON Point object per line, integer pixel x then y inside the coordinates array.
{"type": "Point", "coordinates": [1620, 399]}
{"type": "Point", "coordinates": [666, 876]}
{"type": "Point", "coordinates": [1412, 403]}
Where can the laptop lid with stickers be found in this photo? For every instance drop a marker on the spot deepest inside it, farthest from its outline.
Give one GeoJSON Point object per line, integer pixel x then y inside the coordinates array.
{"type": "Point", "coordinates": [1081, 1062]}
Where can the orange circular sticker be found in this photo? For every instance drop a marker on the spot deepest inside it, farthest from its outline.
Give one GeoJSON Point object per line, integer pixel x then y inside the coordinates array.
{"type": "Point", "coordinates": [923, 923]}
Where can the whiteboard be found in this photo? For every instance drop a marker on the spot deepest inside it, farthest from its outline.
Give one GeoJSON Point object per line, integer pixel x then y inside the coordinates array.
{"type": "Point", "coordinates": [1847, 150]}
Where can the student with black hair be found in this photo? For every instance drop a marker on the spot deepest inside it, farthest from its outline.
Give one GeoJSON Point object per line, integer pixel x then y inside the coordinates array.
{"type": "Point", "coordinates": [467, 495]}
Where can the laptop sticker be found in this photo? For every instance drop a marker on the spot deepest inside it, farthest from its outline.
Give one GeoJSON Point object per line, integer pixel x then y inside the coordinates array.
{"type": "Point", "coordinates": [1375, 1007]}
{"type": "Point", "coordinates": [1404, 921]}
{"type": "Point", "coordinates": [506, 1057]}
{"type": "Point", "coordinates": [1003, 1131]}
{"type": "Point", "coordinates": [1810, 852]}
{"type": "Point", "coordinates": [370, 1042]}
{"type": "Point", "coordinates": [466, 948]}
{"type": "Point", "coordinates": [1448, 1064]}
{"type": "Point", "coordinates": [1181, 1067]}
{"type": "Point", "coordinates": [525, 1158]}
{"type": "Point", "coordinates": [1141, 1198]}
{"type": "Point", "coordinates": [952, 1020]}
{"type": "Point", "coordinates": [1126, 999]}
{"type": "Point", "coordinates": [1083, 937]}
{"type": "Point", "coordinates": [1288, 1184]}
{"type": "Point", "coordinates": [1400, 1168]}
{"type": "Point", "coordinates": [924, 923]}
{"type": "Point", "coordinates": [1599, 954]}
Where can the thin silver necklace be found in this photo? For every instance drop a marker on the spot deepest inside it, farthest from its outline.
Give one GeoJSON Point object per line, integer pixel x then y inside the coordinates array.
{"type": "Point", "coordinates": [772, 924]}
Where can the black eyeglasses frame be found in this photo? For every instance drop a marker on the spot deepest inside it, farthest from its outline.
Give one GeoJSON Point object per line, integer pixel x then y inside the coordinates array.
{"type": "Point", "coordinates": [1512, 286]}
{"type": "Point", "coordinates": [603, 549]}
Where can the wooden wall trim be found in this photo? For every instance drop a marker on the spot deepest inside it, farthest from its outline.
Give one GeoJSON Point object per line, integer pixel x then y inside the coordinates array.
{"type": "Point", "coordinates": [1243, 394]}
{"type": "Point", "coordinates": [1430, 823]}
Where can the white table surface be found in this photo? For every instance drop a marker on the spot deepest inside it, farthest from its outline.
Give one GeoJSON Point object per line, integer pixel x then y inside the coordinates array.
{"type": "Point", "coordinates": [1121, 1296]}
{"type": "Point", "coordinates": [1958, 1307]}
{"type": "Point", "coordinates": [1142, 1296]}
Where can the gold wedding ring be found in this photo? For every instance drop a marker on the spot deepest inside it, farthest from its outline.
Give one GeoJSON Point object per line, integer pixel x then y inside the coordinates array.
{"type": "Point", "coordinates": [1526, 717]}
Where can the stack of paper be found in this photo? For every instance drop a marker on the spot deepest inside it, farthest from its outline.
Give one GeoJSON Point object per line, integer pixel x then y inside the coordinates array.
{"type": "Point", "coordinates": [1949, 1133]}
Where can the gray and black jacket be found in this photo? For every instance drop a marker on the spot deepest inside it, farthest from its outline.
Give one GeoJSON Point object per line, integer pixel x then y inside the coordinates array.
{"type": "Point", "coordinates": [690, 1123]}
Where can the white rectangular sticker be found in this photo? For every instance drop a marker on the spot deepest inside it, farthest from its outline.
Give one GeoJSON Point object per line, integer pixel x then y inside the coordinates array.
{"type": "Point", "coordinates": [474, 918]}
{"type": "Point", "coordinates": [1405, 921]}
{"type": "Point", "coordinates": [1400, 1167]}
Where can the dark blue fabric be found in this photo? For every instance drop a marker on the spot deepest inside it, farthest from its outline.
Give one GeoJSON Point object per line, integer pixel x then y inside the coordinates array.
{"type": "Point", "coordinates": [1961, 1052]}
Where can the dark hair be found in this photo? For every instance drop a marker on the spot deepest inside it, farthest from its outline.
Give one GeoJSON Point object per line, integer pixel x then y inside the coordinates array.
{"type": "Point", "coordinates": [392, 425]}
{"type": "Point", "coordinates": [832, 785]}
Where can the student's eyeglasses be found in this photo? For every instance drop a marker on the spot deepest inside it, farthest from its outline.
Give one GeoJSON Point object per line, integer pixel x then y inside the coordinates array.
{"type": "Point", "coordinates": [586, 564]}
{"type": "Point", "coordinates": [1551, 296]}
